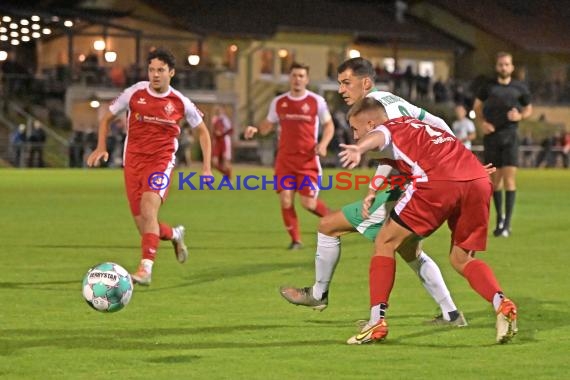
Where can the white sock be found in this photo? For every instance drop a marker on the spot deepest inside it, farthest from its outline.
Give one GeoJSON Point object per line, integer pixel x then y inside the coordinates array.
{"type": "Point", "coordinates": [326, 258]}
{"type": "Point", "coordinates": [374, 315]}
{"type": "Point", "coordinates": [147, 265]}
{"type": "Point", "coordinates": [377, 312]}
{"type": "Point", "coordinates": [497, 299]}
{"type": "Point", "coordinates": [433, 282]}
{"type": "Point", "coordinates": [175, 233]}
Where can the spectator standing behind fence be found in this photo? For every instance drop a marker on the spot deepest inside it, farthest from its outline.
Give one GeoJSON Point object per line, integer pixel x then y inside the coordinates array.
{"type": "Point", "coordinates": [18, 141]}
{"type": "Point", "coordinates": [463, 127]}
{"type": "Point", "coordinates": [565, 142]}
{"type": "Point", "coordinates": [499, 106]}
{"type": "Point", "coordinates": [527, 156]}
{"type": "Point", "coordinates": [37, 141]}
{"type": "Point", "coordinates": [184, 152]}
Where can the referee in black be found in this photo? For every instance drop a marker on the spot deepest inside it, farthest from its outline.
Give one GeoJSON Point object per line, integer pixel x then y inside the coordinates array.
{"type": "Point", "coordinates": [499, 106]}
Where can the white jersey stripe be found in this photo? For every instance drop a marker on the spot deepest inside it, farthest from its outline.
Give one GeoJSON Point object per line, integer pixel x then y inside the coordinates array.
{"type": "Point", "coordinates": [406, 197]}
{"type": "Point", "coordinates": [377, 217]}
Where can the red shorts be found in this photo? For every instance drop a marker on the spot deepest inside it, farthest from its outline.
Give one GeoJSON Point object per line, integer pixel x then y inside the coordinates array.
{"type": "Point", "coordinates": [144, 175]}
{"type": "Point", "coordinates": [465, 206]}
{"type": "Point", "coordinates": [297, 175]}
{"type": "Point", "coordinates": [222, 148]}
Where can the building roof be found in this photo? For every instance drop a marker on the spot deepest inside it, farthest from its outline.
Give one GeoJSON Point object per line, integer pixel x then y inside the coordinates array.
{"type": "Point", "coordinates": [534, 25]}
{"type": "Point", "coordinates": [372, 21]}
{"type": "Point", "coordinates": [368, 21]}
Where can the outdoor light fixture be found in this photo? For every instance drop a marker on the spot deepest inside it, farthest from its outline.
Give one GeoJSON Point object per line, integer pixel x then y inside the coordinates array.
{"type": "Point", "coordinates": [99, 45]}
{"type": "Point", "coordinates": [110, 56]}
{"type": "Point", "coordinates": [193, 59]}
{"type": "Point", "coordinates": [353, 53]}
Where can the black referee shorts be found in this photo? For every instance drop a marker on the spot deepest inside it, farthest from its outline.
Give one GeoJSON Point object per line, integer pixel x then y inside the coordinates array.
{"type": "Point", "coordinates": [502, 148]}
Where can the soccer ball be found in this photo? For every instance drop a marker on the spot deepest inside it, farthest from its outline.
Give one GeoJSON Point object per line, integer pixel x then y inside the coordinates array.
{"type": "Point", "coordinates": [107, 287]}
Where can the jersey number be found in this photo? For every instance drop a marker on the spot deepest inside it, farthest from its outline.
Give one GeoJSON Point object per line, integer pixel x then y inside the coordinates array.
{"type": "Point", "coordinates": [429, 129]}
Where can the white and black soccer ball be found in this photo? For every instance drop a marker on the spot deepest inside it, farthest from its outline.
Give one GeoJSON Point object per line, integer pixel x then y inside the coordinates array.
{"type": "Point", "coordinates": [107, 287]}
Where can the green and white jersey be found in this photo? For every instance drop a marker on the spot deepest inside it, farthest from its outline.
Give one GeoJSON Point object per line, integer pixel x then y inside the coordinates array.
{"type": "Point", "coordinates": [397, 107]}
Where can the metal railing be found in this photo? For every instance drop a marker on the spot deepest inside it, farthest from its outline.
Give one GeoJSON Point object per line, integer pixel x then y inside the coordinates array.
{"type": "Point", "coordinates": [53, 152]}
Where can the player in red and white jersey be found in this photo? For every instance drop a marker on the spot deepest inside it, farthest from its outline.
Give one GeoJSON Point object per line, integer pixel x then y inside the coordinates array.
{"type": "Point", "coordinates": [298, 113]}
{"type": "Point", "coordinates": [222, 142]}
{"type": "Point", "coordinates": [155, 112]}
{"type": "Point", "coordinates": [452, 186]}
{"type": "Point", "coordinates": [356, 79]}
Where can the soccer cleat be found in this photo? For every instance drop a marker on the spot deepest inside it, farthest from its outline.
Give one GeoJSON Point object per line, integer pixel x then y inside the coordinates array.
{"type": "Point", "coordinates": [505, 233]}
{"type": "Point", "coordinates": [141, 276]}
{"type": "Point", "coordinates": [304, 297]}
{"type": "Point", "coordinates": [180, 249]}
{"type": "Point", "coordinates": [295, 246]}
{"type": "Point", "coordinates": [506, 321]}
{"type": "Point", "coordinates": [500, 227]}
{"type": "Point", "coordinates": [438, 320]}
{"type": "Point", "coordinates": [370, 334]}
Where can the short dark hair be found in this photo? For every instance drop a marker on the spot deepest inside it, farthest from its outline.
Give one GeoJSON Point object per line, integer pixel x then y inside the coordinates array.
{"type": "Point", "coordinates": [163, 55]}
{"type": "Point", "coordinates": [297, 65]}
{"type": "Point", "coordinates": [363, 105]}
{"type": "Point", "coordinates": [502, 54]}
{"type": "Point", "coordinates": [360, 67]}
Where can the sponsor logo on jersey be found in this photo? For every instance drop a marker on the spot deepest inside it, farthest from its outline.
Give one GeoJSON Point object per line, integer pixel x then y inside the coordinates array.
{"type": "Point", "coordinates": [441, 140]}
{"type": "Point", "coordinates": [169, 108]}
{"type": "Point", "coordinates": [141, 101]}
{"type": "Point", "coordinates": [157, 120]}
{"type": "Point", "coordinates": [294, 116]}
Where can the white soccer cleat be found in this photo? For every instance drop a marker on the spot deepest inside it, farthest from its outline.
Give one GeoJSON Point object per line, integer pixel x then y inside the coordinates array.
{"type": "Point", "coordinates": [506, 321]}
{"type": "Point", "coordinates": [141, 276]}
{"type": "Point", "coordinates": [370, 334]}
{"type": "Point", "coordinates": [180, 249]}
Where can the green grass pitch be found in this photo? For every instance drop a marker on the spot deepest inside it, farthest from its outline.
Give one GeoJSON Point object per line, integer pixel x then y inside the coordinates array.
{"type": "Point", "coordinates": [219, 316]}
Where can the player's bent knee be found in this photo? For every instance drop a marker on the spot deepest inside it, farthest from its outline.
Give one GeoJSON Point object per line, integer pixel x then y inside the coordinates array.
{"type": "Point", "coordinates": [459, 258]}
{"type": "Point", "coordinates": [326, 224]}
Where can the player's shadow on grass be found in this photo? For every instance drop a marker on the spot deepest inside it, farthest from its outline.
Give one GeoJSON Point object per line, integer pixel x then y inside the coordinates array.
{"type": "Point", "coordinates": [151, 339]}
{"type": "Point", "coordinates": [534, 315]}
{"type": "Point", "coordinates": [135, 248]}
{"type": "Point", "coordinates": [46, 285]}
{"type": "Point", "coordinates": [83, 246]}
{"type": "Point", "coordinates": [225, 273]}
{"type": "Point", "coordinates": [175, 359]}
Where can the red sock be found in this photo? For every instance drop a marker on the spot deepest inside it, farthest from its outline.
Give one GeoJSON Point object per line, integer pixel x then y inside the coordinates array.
{"type": "Point", "coordinates": [291, 222]}
{"type": "Point", "coordinates": [149, 246]}
{"type": "Point", "coordinates": [165, 231]}
{"type": "Point", "coordinates": [321, 209]}
{"type": "Point", "coordinates": [481, 279]}
{"type": "Point", "coordinates": [228, 173]}
{"type": "Point", "coordinates": [381, 279]}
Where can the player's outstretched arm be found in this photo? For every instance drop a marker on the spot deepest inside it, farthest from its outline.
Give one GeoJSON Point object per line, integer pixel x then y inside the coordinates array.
{"type": "Point", "coordinates": [380, 177]}
{"type": "Point", "coordinates": [206, 144]}
{"type": "Point", "coordinates": [351, 155]}
{"type": "Point", "coordinates": [101, 151]}
{"type": "Point", "coordinates": [264, 128]}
